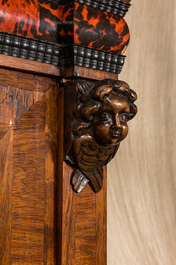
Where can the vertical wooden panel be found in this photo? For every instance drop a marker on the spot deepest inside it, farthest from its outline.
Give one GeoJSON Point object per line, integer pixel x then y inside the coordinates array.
{"type": "Point", "coordinates": [51, 173]}
{"type": "Point", "coordinates": [82, 232]}
{"type": "Point", "coordinates": [6, 155]}
{"type": "Point", "coordinates": [83, 224]}
{"type": "Point", "coordinates": [85, 227]}
{"type": "Point", "coordinates": [15, 102]}
{"type": "Point", "coordinates": [28, 191]}
{"type": "Point", "coordinates": [29, 115]}
{"type": "Point", "coordinates": [24, 81]}
{"type": "Point", "coordinates": [67, 240]}
{"type": "Point", "coordinates": [101, 223]}
{"type": "Point", "coordinates": [4, 129]}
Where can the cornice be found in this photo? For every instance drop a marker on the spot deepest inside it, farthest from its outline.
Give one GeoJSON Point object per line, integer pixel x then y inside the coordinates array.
{"type": "Point", "coordinates": [116, 7]}
{"type": "Point", "coordinates": [26, 48]}
{"type": "Point", "coordinates": [35, 50]}
{"type": "Point", "coordinates": [84, 33]}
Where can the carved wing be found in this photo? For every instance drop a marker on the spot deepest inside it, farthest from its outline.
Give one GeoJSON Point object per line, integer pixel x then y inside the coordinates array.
{"type": "Point", "coordinates": [87, 162]}
{"type": "Point", "coordinates": [90, 158]}
{"type": "Point", "coordinates": [107, 154]}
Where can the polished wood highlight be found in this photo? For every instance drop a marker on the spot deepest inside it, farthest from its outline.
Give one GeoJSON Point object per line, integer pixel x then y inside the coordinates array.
{"type": "Point", "coordinates": [6, 158]}
{"type": "Point", "coordinates": [29, 66]}
{"type": "Point", "coordinates": [78, 71]}
{"type": "Point", "coordinates": [52, 136]}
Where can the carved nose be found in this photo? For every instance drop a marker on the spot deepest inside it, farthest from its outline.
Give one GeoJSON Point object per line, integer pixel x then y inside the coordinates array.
{"type": "Point", "coordinates": [116, 125]}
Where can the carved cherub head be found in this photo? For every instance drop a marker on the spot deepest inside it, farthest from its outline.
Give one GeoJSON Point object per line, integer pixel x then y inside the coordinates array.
{"type": "Point", "coordinates": [98, 124]}
{"type": "Point", "coordinates": [104, 110]}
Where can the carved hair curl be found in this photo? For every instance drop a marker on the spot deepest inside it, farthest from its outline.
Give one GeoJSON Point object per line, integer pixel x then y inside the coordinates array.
{"type": "Point", "coordinates": [90, 95]}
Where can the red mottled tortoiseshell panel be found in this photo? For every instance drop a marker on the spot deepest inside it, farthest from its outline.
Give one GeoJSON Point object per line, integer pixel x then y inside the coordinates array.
{"type": "Point", "coordinates": [20, 17]}
{"type": "Point", "coordinates": [100, 30]}
{"type": "Point", "coordinates": [67, 30]}
{"type": "Point", "coordinates": [58, 24]}
{"type": "Point", "coordinates": [32, 18]}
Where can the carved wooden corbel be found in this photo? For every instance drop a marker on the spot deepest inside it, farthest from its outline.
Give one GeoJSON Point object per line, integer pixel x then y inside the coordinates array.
{"type": "Point", "coordinates": [96, 116]}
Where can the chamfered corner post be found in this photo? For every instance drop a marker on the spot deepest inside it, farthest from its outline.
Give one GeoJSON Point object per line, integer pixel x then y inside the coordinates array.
{"type": "Point", "coordinates": [97, 108]}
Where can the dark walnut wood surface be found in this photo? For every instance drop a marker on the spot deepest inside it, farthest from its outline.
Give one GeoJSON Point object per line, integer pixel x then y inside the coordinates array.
{"type": "Point", "coordinates": [29, 66]}
{"type": "Point", "coordinates": [83, 224]}
{"type": "Point", "coordinates": [28, 153]}
{"type": "Point", "coordinates": [43, 221]}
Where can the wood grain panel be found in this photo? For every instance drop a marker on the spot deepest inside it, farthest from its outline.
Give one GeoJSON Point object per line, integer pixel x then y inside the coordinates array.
{"type": "Point", "coordinates": [142, 178]}
{"type": "Point", "coordinates": [31, 119]}
{"type": "Point", "coordinates": [28, 66]}
{"type": "Point", "coordinates": [15, 103]}
{"type": "Point", "coordinates": [4, 129]}
{"type": "Point", "coordinates": [51, 174]}
{"type": "Point", "coordinates": [83, 240]}
{"type": "Point", "coordinates": [85, 227]}
{"type": "Point", "coordinates": [25, 81]}
{"type": "Point", "coordinates": [68, 219]}
{"type": "Point", "coordinates": [6, 155]}
{"type": "Point", "coordinates": [88, 73]}
{"type": "Point", "coordinates": [101, 222]}
{"type": "Point", "coordinates": [28, 191]}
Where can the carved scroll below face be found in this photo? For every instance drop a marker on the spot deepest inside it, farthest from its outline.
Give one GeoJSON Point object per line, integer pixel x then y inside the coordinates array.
{"type": "Point", "coordinates": [96, 116]}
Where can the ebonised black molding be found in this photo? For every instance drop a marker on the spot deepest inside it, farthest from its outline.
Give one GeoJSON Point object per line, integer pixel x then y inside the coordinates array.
{"type": "Point", "coordinates": [30, 49]}
{"type": "Point", "coordinates": [115, 7]}
{"type": "Point", "coordinates": [92, 58]}
{"type": "Point", "coordinates": [44, 52]}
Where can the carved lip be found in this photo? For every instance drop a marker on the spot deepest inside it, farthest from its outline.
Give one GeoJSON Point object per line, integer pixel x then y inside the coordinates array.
{"type": "Point", "coordinates": [115, 134]}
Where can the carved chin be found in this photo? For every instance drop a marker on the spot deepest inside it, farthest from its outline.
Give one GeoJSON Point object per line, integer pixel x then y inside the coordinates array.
{"type": "Point", "coordinates": [111, 140]}
{"type": "Point", "coordinates": [115, 138]}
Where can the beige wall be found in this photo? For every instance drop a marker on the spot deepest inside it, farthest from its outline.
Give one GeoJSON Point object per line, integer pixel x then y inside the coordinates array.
{"type": "Point", "coordinates": [142, 177]}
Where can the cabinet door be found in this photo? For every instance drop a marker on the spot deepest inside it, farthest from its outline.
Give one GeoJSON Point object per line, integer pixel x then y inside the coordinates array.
{"type": "Point", "coordinates": [28, 166]}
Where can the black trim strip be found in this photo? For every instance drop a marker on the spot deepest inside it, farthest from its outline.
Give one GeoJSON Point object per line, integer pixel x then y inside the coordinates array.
{"type": "Point", "coordinates": [44, 52]}
{"type": "Point", "coordinates": [31, 49]}
{"type": "Point", "coordinates": [116, 7]}
{"type": "Point", "coordinates": [94, 59]}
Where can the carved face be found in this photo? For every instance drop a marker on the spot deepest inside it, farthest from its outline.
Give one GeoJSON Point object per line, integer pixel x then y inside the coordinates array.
{"type": "Point", "coordinates": [110, 122]}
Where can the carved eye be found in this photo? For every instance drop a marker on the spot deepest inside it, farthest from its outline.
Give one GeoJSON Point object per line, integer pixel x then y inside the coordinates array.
{"type": "Point", "coordinates": [104, 116]}
{"type": "Point", "coordinates": [105, 96]}
{"type": "Point", "coordinates": [123, 117]}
